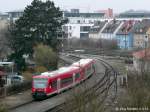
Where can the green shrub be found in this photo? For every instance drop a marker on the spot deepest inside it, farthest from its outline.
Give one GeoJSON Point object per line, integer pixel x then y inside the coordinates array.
{"type": "Point", "coordinates": [137, 92]}
{"type": "Point", "coordinates": [45, 56]}
{"type": "Point", "coordinates": [16, 88]}
{"type": "Point", "coordinates": [40, 69]}
{"type": "Point", "coordinates": [27, 75]}
{"type": "Point", "coordinates": [79, 101]}
{"type": "Point", "coordinates": [3, 108]}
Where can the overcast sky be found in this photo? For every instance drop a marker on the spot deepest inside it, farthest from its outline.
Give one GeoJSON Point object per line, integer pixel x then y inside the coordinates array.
{"type": "Point", "coordinates": [84, 5]}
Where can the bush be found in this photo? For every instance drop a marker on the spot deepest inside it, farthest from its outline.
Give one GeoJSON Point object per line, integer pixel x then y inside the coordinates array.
{"type": "Point", "coordinates": [18, 87]}
{"type": "Point", "coordinates": [79, 101]}
{"type": "Point", "coordinates": [27, 75]}
{"type": "Point", "coordinates": [45, 56]}
{"type": "Point", "coordinates": [138, 91]}
{"type": "Point", "coordinates": [40, 69]}
{"type": "Point", "coordinates": [91, 43]}
{"type": "Point", "coordinates": [3, 108]}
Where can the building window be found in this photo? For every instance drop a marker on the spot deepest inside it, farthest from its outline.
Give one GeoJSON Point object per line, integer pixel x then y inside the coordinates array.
{"type": "Point", "coordinates": [85, 28]}
{"type": "Point", "coordinates": [70, 27]}
{"type": "Point", "coordinates": [77, 76]}
{"type": "Point", "coordinates": [83, 21]}
{"type": "Point", "coordinates": [65, 28]}
{"type": "Point", "coordinates": [70, 35]}
{"type": "Point", "coordinates": [84, 35]}
{"type": "Point", "coordinates": [78, 21]}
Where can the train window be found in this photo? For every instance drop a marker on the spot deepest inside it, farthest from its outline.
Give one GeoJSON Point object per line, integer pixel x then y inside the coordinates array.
{"type": "Point", "coordinates": [93, 66]}
{"type": "Point", "coordinates": [67, 80]}
{"type": "Point", "coordinates": [88, 70]}
{"type": "Point", "coordinates": [77, 75]}
{"type": "Point", "coordinates": [40, 83]}
{"type": "Point", "coordinates": [54, 84]}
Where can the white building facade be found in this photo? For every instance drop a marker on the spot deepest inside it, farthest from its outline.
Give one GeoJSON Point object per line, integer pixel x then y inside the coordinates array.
{"type": "Point", "coordinates": [77, 30]}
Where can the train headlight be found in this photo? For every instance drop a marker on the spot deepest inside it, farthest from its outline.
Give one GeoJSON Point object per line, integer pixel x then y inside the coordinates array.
{"type": "Point", "coordinates": [44, 89]}
{"type": "Point", "coordinates": [33, 90]}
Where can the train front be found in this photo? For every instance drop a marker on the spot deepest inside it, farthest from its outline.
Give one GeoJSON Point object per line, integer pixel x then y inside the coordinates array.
{"type": "Point", "coordinates": [39, 87]}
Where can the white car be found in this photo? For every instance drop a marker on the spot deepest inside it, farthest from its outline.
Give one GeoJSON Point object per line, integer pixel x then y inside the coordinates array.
{"type": "Point", "coordinates": [17, 79]}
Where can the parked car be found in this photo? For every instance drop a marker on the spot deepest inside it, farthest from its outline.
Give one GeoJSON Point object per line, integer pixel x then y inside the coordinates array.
{"type": "Point", "coordinates": [17, 79]}
{"type": "Point", "coordinates": [14, 79]}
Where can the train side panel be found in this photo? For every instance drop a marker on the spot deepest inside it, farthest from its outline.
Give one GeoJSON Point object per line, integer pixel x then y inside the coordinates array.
{"type": "Point", "coordinates": [46, 86]}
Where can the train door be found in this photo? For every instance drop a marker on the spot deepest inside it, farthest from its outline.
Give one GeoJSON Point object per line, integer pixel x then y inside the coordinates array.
{"type": "Point", "coordinates": [82, 72]}
{"type": "Point", "coordinates": [54, 85]}
{"type": "Point", "coordinates": [58, 85]}
{"type": "Point", "coordinates": [74, 79]}
{"type": "Point", "coordinates": [94, 68]}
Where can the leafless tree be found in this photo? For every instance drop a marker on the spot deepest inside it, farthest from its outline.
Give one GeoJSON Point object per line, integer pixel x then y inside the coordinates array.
{"type": "Point", "coordinates": [4, 49]}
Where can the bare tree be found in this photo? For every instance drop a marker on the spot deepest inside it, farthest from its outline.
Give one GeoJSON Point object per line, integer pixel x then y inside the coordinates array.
{"type": "Point", "coordinates": [4, 49]}
{"type": "Point", "coordinates": [91, 43]}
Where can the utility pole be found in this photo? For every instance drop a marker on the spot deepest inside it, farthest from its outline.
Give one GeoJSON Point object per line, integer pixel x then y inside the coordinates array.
{"type": "Point", "coordinates": [125, 39]}
{"type": "Point", "coordinates": [146, 41]}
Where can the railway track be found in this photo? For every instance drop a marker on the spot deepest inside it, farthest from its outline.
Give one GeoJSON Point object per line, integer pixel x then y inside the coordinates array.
{"type": "Point", "coordinates": [98, 88]}
{"type": "Point", "coordinates": [101, 87]}
{"type": "Point", "coordinates": [67, 60]}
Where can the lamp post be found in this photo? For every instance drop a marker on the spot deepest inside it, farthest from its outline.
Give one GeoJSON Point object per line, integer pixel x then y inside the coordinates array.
{"type": "Point", "coordinates": [145, 41]}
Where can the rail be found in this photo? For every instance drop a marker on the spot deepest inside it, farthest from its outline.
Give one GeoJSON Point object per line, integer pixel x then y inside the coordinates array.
{"type": "Point", "coordinates": [103, 85]}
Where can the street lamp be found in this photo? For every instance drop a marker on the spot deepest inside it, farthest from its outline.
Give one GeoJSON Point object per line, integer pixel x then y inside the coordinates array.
{"type": "Point", "coordinates": [145, 41]}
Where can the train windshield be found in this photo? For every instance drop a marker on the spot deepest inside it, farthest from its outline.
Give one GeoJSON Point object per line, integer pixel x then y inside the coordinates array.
{"type": "Point", "coordinates": [40, 83]}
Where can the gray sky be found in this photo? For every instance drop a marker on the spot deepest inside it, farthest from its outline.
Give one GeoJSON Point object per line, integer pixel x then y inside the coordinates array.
{"type": "Point", "coordinates": [84, 5]}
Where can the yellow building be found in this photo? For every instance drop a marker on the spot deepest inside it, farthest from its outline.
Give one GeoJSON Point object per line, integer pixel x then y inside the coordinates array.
{"type": "Point", "coordinates": [140, 29]}
{"type": "Point", "coordinates": [148, 37]}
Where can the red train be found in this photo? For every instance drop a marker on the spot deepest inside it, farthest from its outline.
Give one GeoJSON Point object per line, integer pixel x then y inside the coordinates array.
{"type": "Point", "coordinates": [49, 83]}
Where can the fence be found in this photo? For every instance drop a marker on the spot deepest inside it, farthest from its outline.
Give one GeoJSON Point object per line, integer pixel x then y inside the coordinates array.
{"type": "Point", "coordinates": [15, 88]}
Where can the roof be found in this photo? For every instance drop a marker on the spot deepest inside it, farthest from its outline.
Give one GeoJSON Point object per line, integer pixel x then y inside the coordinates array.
{"type": "Point", "coordinates": [142, 54]}
{"type": "Point", "coordinates": [97, 27]}
{"type": "Point", "coordinates": [82, 62]}
{"type": "Point", "coordinates": [141, 27]}
{"type": "Point", "coordinates": [3, 13]}
{"type": "Point", "coordinates": [16, 11]}
{"type": "Point", "coordinates": [111, 26]}
{"type": "Point", "coordinates": [133, 13]}
{"type": "Point", "coordinates": [6, 63]}
{"type": "Point", "coordinates": [74, 67]}
{"type": "Point", "coordinates": [126, 27]}
{"type": "Point", "coordinates": [61, 70]}
{"type": "Point", "coordinates": [87, 15]}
